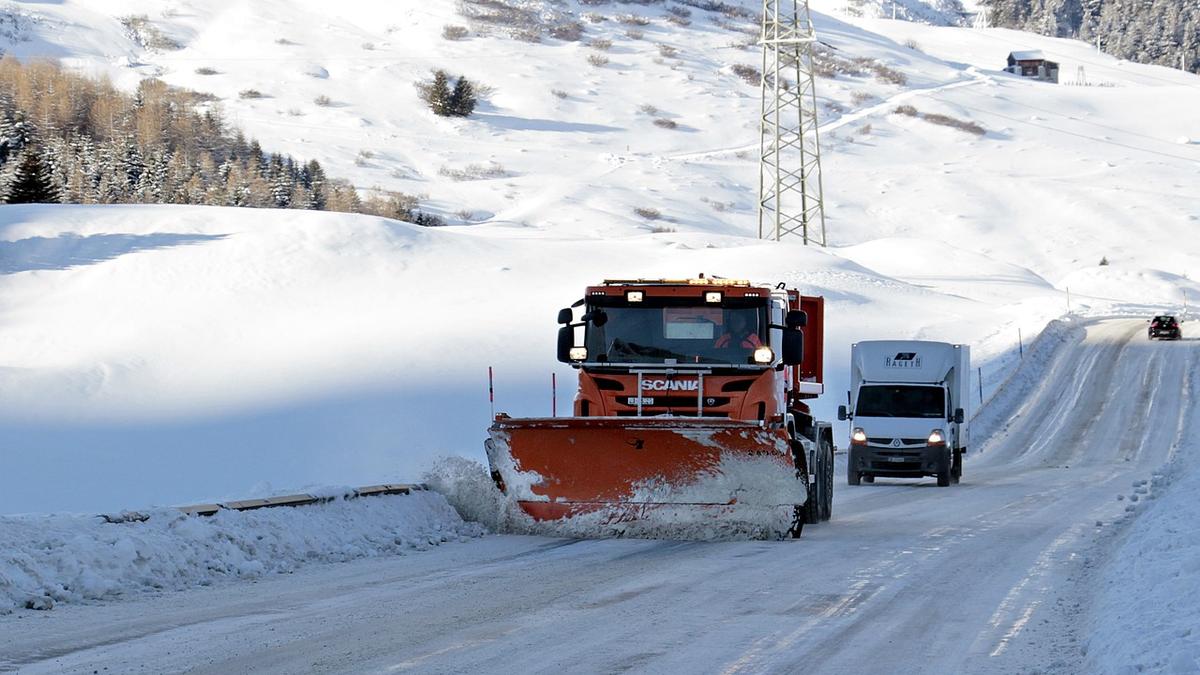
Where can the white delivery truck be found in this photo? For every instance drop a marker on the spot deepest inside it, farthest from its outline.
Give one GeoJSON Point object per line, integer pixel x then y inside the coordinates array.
{"type": "Point", "coordinates": [908, 410]}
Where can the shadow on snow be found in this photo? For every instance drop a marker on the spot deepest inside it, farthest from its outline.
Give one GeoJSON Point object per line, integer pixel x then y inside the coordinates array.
{"type": "Point", "coordinates": [73, 250]}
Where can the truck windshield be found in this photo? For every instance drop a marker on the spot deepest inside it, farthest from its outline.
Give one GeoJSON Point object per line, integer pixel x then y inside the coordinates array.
{"type": "Point", "coordinates": [678, 334]}
{"type": "Point", "coordinates": [900, 401]}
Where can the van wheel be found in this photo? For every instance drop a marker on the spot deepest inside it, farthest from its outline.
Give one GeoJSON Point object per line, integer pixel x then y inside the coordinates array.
{"type": "Point", "coordinates": [956, 469]}
{"type": "Point", "coordinates": [868, 478]}
{"type": "Point", "coordinates": [944, 471]}
{"type": "Point", "coordinates": [853, 477]}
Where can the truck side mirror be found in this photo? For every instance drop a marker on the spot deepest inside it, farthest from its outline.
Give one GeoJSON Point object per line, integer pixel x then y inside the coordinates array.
{"type": "Point", "coordinates": [795, 319]}
{"type": "Point", "coordinates": [959, 416]}
{"type": "Point", "coordinates": [597, 317]}
{"type": "Point", "coordinates": [793, 347]}
{"type": "Point", "coordinates": [566, 340]}
{"type": "Point", "coordinates": [843, 415]}
{"type": "Point", "coordinates": [565, 316]}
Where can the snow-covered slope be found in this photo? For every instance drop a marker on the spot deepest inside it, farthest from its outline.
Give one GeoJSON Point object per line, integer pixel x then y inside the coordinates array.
{"type": "Point", "coordinates": [164, 354]}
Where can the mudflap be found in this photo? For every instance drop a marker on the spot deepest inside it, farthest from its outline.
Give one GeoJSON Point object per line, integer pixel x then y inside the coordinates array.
{"type": "Point", "coordinates": [659, 477]}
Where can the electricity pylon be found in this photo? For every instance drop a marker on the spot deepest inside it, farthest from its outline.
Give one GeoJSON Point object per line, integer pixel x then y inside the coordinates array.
{"type": "Point", "coordinates": [790, 199]}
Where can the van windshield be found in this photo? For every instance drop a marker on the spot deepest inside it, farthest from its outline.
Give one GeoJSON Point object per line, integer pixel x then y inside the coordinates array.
{"type": "Point", "coordinates": [678, 334]}
{"type": "Point", "coordinates": [899, 400]}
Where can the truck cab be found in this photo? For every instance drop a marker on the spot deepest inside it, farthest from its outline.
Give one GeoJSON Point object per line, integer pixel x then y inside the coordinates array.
{"type": "Point", "coordinates": [907, 410]}
{"type": "Point", "coordinates": [701, 347]}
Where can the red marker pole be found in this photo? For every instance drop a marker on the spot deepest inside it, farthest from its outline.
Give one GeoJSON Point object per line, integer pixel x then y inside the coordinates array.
{"type": "Point", "coordinates": [553, 395]}
{"type": "Point", "coordinates": [491, 393]}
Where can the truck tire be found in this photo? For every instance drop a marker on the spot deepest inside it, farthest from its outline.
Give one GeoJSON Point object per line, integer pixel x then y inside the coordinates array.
{"type": "Point", "coordinates": [945, 470]}
{"type": "Point", "coordinates": [797, 523]}
{"type": "Point", "coordinates": [825, 477]}
{"type": "Point", "coordinates": [812, 505]}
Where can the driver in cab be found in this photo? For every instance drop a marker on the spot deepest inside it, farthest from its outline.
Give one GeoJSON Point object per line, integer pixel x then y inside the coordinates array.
{"type": "Point", "coordinates": [739, 333]}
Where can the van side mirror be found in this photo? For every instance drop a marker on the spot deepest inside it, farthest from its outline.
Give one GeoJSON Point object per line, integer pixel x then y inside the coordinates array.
{"type": "Point", "coordinates": [793, 347]}
{"type": "Point", "coordinates": [565, 316]}
{"type": "Point", "coordinates": [843, 415]}
{"type": "Point", "coordinates": [566, 340]}
{"type": "Point", "coordinates": [795, 319]}
{"type": "Point", "coordinates": [959, 416]}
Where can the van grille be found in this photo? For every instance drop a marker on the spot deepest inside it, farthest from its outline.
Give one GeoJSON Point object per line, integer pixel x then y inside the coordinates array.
{"type": "Point", "coordinates": [879, 440]}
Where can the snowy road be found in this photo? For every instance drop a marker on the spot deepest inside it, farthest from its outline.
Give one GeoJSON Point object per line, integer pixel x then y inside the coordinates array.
{"type": "Point", "coordinates": [982, 577]}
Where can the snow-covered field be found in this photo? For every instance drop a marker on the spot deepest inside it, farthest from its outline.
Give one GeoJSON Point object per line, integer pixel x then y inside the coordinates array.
{"type": "Point", "coordinates": [159, 355]}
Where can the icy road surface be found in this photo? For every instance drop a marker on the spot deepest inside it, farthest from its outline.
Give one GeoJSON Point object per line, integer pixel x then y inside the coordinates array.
{"type": "Point", "coordinates": [988, 576]}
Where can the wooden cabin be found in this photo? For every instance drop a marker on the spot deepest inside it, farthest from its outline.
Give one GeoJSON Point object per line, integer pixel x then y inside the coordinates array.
{"type": "Point", "coordinates": [1033, 64]}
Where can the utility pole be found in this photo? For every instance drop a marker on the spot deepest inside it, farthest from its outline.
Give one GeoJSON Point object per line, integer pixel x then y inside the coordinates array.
{"type": "Point", "coordinates": [790, 193]}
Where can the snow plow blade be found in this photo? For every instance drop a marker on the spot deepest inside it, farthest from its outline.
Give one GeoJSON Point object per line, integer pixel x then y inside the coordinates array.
{"type": "Point", "coordinates": [649, 477]}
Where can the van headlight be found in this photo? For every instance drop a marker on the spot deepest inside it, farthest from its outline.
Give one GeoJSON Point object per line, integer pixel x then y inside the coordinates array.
{"type": "Point", "coordinates": [764, 355]}
{"type": "Point", "coordinates": [937, 437]}
{"type": "Point", "coordinates": [858, 436]}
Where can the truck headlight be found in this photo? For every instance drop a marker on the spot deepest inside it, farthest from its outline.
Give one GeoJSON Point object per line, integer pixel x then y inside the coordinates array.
{"type": "Point", "coordinates": [578, 353]}
{"type": "Point", "coordinates": [764, 355]}
{"type": "Point", "coordinates": [937, 437]}
{"type": "Point", "coordinates": [858, 436]}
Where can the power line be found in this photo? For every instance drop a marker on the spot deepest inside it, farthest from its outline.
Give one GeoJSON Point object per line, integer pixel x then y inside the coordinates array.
{"type": "Point", "coordinates": [1079, 135]}
{"type": "Point", "coordinates": [1083, 121]}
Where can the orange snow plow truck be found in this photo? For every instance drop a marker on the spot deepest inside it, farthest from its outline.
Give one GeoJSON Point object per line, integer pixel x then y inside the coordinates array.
{"type": "Point", "coordinates": [690, 414]}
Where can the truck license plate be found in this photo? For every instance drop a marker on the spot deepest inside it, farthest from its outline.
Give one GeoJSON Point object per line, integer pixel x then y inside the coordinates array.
{"type": "Point", "coordinates": [645, 400]}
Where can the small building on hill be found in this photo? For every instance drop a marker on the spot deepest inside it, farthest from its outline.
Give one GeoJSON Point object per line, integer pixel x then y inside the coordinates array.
{"type": "Point", "coordinates": [1033, 64]}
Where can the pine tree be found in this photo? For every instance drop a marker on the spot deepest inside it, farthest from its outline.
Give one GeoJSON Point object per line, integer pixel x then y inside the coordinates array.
{"type": "Point", "coordinates": [31, 182]}
{"type": "Point", "coordinates": [280, 183]}
{"type": "Point", "coordinates": [437, 95]}
{"type": "Point", "coordinates": [462, 100]}
{"type": "Point", "coordinates": [315, 180]}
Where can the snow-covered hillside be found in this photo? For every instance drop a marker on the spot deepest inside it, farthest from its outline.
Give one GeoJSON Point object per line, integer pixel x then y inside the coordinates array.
{"type": "Point", "coordinates": [165, 354]}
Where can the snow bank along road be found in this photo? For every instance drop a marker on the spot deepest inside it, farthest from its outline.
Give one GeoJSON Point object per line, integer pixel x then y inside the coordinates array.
{"type": "Point", "coordinates": [982, 577]}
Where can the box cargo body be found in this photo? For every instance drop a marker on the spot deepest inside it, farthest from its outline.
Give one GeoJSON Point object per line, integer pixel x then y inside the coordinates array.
{"type": "Point", "coordinates": [908, 405]}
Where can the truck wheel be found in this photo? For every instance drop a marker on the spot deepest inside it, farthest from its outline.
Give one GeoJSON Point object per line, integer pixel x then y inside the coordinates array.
{"type": "Point", "coordinates": [797, 523]}
{"type": "Point", "coordinates": [956, 469]}
{"type": "Point", "coordinates": [944, 471]}
{"type": "Point", "coordinates": [826, 479]}
{"type": "Point", "coordinates": [812, 505]}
